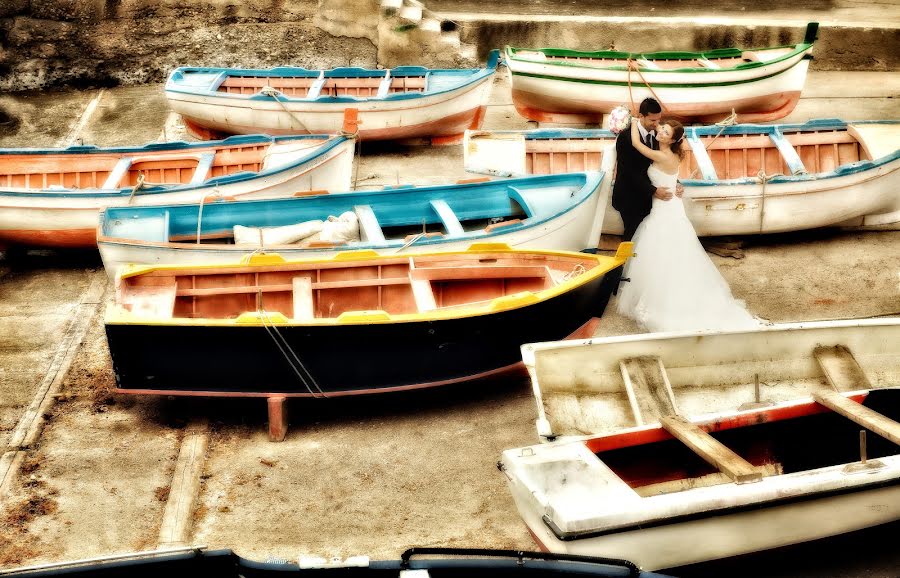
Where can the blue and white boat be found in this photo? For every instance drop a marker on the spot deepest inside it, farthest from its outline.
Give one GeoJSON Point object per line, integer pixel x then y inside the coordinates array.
{"type": "Point", "coordinates": [408, 102]}
{"type": "Point", "coordinates": [558, 212]}
{"type": "Point", "coordinates": [51, 197]}
{"type": "Point", "coordinates": [738, 180]}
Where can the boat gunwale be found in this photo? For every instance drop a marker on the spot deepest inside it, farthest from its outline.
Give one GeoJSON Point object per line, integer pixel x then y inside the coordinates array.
{"type": "Point", "coordinates": [593, 181]}
{"type": "Point", "coordinates": [842, 170]}
{"type": "Point", "coordinates": [474, 76]}
{"type": "Point", "coordinates": [889, 475]}
{"type": "Point", "coordinates": [330, 142]}
{"type": "Point", "coordinates": [800, 48]}
{"type": "Point", "coordinates": [116, 315]}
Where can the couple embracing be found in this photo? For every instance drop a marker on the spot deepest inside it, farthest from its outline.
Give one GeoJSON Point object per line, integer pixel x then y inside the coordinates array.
{"type": "Point", "coordinates": [673, 285]}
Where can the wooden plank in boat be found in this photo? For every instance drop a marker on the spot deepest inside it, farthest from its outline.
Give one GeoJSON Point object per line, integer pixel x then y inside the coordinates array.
{"type": "Point", "coordinates": [568, 145]}
{"type": "Point", "coordinates": [448, 217]}
{"type": "Point", "coordinates": [702, 158]}
{"type": "Point", "coordinates": [464, 272]}
{"type": "Point", "coordinates": [385, 86]}
{"type": "Point", "coordinates": [275, 287]}
{"type": "Point", "coordinates": [369, 223]}
{"type": "Point", "coordinates": [423, 295]}
{"type": "Point", "coordinates": [860, 414]}
{"type": "Point", "coordinates": [153, 300]}
{"type": "Point", "coordinates": [303, 298]}
{"type": "Point", "coordinates": [115, 177]}
{"type": "Point", "coordinates": [841, 368]}
{"type": "Point", "coordinates": [711, 450]}
{"type": "Point", "coordinates": [316, 87]}
{"type": "Point", "coordinates": [648, 388]}
{"type": "Point", "coordinates": [788, 153]}
{"type": "Point", "coordinates": [878, 140]}
{"type": "Point", "coordinates": [201, 173]}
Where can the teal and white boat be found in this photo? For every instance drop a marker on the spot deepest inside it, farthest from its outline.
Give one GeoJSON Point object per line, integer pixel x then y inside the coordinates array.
{"type": "Point", "coordinates": [404, 103]}
{"type": "Point", "coordinates": [560, 212]}
{"type": "Point", "coordinates": [738, 180]}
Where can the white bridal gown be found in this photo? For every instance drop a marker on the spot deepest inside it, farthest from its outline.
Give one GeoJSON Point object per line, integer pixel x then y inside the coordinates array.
{"type": "Point", "coordinates": [674, 285]}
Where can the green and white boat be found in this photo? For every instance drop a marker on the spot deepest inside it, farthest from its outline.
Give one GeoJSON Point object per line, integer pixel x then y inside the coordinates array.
{"type": "Point", "coordinates": [569, 86]}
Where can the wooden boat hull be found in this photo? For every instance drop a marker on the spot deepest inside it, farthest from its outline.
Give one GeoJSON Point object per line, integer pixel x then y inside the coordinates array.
{"type": "Point", "coordinates": [580, 90]}
{"type": "Point", "coordinates": [358, 323]}
{"type": "Point", "coordinates": [846, 184]}
{"type": "Point", "coordinates": [441, 116]}
{"type": "Point", "coordinates": [68, 217]}
{"type": "Point", "coordinates": [551, 100]}
{"type": "Point", "coordinates": [698, 524]}
{"type": "Point", "coordinates": [572, 226]}
{"type": "Point", "coordinates": [344, 360]}
{"type": "Point", "coordinates": [581, 385]}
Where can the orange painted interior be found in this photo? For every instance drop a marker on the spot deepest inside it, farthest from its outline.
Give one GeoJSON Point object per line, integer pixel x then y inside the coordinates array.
{"type": "Point", "coordinates": [396, 285]}
{"type": "Point", "coordinates": [299, 87]}
{"type": "Point", "coordinates": [88, 171]}
{"type": "Point", "coordinates": [733, 156]}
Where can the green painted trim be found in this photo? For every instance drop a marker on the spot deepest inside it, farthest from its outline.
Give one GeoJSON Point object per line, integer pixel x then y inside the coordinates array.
{"type": "Point", "coordinates": [655, 84]}
{"type": "Point", "coordinates": [720, 53]}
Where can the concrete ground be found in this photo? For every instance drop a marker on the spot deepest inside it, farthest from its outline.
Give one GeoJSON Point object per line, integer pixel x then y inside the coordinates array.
{"type": "Point", "coordinates": [366, 476]}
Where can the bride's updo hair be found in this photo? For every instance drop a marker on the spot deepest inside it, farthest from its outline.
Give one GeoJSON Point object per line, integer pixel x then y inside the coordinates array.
{"type": "Point", "coordinates": [677, 136]}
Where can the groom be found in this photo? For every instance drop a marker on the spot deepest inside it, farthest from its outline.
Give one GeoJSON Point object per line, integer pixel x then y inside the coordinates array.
{"type": "Point", "coordinates": [632, 191]}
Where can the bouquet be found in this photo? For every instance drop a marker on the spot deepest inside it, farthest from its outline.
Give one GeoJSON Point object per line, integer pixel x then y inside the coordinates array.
{"type": "Point", "coordinates": [619, 119]}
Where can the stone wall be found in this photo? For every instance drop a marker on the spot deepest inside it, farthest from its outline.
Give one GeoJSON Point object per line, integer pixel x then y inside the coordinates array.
{"type": "Point", "coordinates": [47, 43]}
{"type": "Point", "coordinates": [107, 42]}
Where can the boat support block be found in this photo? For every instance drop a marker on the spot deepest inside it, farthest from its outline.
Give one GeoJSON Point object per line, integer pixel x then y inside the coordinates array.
{"type": "Point", "coordinates": [278, 420]}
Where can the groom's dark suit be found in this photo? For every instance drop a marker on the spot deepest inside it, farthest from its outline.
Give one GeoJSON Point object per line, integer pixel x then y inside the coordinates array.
{"type": "Point", "coordinates": [632, 190]}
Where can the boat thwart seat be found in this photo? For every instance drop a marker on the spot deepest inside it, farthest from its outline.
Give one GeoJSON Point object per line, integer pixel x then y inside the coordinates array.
{"type": "Point", "coordinates": [369, 226]}
{"type": "Point", "coordinates": [118, 172]}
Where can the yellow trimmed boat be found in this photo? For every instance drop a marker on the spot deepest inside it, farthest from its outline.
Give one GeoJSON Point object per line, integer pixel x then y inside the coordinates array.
{"type": "Point", "coordinates": [357, 323]}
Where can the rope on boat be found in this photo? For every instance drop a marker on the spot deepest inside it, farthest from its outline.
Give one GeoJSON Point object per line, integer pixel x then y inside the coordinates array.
{"type": "Point", "coordinates": [137, 186]}
{"type": "Point", "coordinates": [285, 348]}
{"type": "Point", "coordinates": [764, 178]}
{"type": "Point", "coordinates": [269, 91]}
{"type": "Point", "coordinates": [632, 65]}
{"type": "Point", "coordinates": [575, 272]}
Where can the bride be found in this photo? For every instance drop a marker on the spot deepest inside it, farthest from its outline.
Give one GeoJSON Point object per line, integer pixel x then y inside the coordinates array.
{"type": "Point", "coordinates": [674, 286]}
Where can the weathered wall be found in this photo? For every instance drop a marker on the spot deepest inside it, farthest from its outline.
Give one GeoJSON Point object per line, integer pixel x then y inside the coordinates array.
{"type": "Point", "coordinates": [46, 43]}
{"type": "Point", "coordinates": [101, 42]}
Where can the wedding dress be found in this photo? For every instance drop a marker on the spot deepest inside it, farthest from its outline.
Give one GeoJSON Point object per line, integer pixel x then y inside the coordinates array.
{"type": "Point", "coordinates": [674, 286]}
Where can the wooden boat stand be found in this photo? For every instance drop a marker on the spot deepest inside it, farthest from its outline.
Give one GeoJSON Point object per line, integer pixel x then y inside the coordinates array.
{"type": "Point", "coordinates": [650, 394]}
{"type": "Point", "coordinates": [278, 418]}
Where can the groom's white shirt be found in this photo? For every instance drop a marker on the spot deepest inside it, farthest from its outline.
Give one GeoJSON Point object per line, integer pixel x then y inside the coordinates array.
{"type": "Point", "coordinates": [644, 132]}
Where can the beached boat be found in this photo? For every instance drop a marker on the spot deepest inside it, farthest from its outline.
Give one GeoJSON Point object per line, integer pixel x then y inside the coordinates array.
{"type": "Point", "coordinates": [738, 180]}
{"type": "Point", "coordinates": [601, 385]}
{"type": "Point", "coordinates": [354, 324]}
{"type": "Point", "coordinates": [569, 86]}
{"type": "Point", "coordinates": [52, 197]}
{"type": "Point", "coordinates": [681, 448]}
{"type": "Point", "coordinates": [414, 562]}
{"type": "Point", "coordinates": [409, 102]}
{"type": "Point", "coordinates": [548, 212]}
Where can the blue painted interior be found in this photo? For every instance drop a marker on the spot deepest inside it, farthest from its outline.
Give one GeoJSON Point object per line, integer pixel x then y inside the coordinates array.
{"type": "Point", "coordinates": [206, 81]}
{"type": "Point", "coordinates": [534, 200]}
